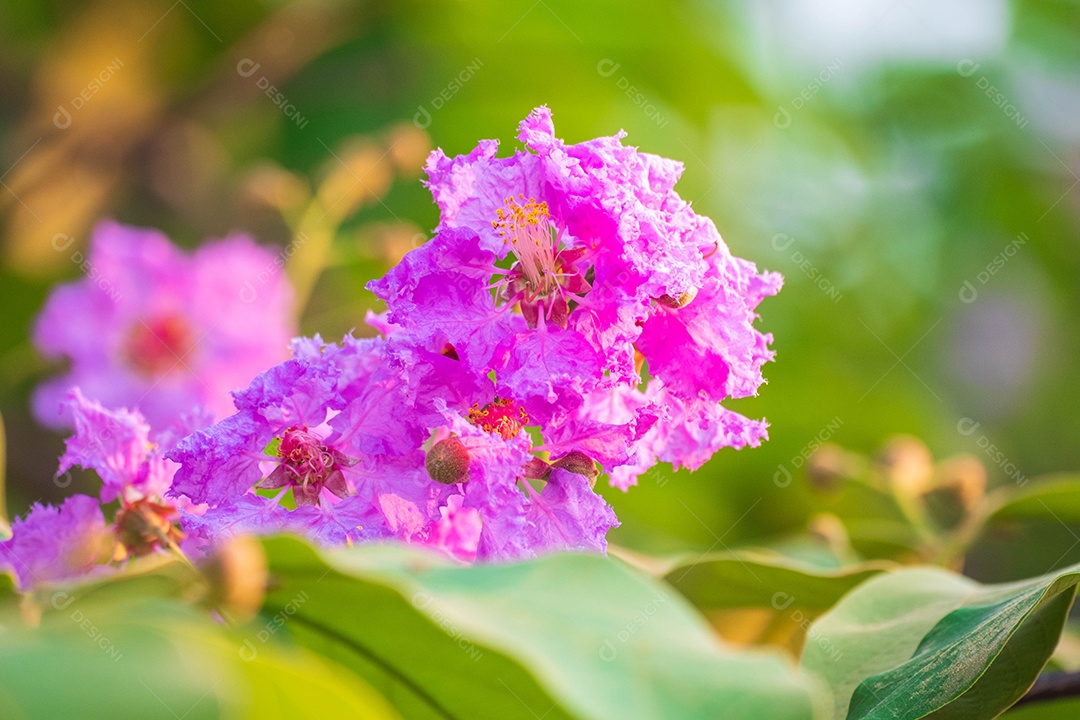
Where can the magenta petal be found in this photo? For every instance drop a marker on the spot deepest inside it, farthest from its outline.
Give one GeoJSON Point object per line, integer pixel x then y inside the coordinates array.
{"type": "Point", "coordinates": [52, 544]}
{"type": "Point", "coordinates": [117, 445]}
{"type": "Point", "coordinates": [278, 478]}
{"type": "Point", "coordinates": [547, 359]}
{"type": "Point", "coordinates": [569, 515]}
{"type": "Point", "coordinates": [335, 483]}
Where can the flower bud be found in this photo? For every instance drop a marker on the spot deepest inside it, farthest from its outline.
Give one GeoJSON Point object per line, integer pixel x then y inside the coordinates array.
{"type": "Point", "coordinates": [237, 576]}
{"type": "Point", "coordinates": [679, 301]}
{"type": "Point", "coordinates": [965, 476]}
{"type": "Point", "coordinates": [829, 466]}
{"type": "Point", "coordinates": [580, 463]}
{"type": "Point", "coordinates": [448, 462]}
{"type": "Point", "coordinates": [277, 188]}
{"type": "Point", "coordinates": [537, 469]}
{"type": "Point", "coordinates": [409, 147]}
{"type": "Point", "coordinates": [907, 465]}
{"type": "Point", "coordinates": [829, 529]}
{"type": "Point", "coordinates": [358, 175]}
{"type": "Point", "coordinates": [145, 526]}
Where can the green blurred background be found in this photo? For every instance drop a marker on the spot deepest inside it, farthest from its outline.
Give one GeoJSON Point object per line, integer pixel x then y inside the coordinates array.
{"type": "Point", "coordinates": [884, 156]}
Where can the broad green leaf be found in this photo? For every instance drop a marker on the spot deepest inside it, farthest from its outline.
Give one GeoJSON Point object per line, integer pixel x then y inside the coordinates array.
{"type": "Point", "coordinates": [928, 643]}
{"type": "Point", "coordinates": [762, 598]}
{"type": "Point", "coordinates": [559, 637]}
{"type": "Point", "coordinates": [105, 656]}
{"type": "Point", "coordinates": [756, 579]}
{"type": "Point", "coordinates": [1053, 498]}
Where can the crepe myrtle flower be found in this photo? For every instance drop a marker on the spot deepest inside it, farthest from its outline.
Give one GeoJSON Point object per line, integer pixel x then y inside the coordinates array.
{"type": "Point", "coordinates": [685, 433]}
{"type": "Point", "coordinates": [322, 445]}
{"type": "Point", "coordinates": [371, 440]}
{"type": "Point", "coordinates": [494, 456]}
{"type": "Point", "coordinates": [481, 446]}
{"type": "Point", "coordinates": [273, 442]}
{"type": "Point", "coordinates": [568, 271]}
{"type": "Point", "coordinates": [52, 544]}
{"type": "Point", "coordinates": [582, 256]}
{"type": "Point", "coordinates": [128, 456]}
{"type": "Point", "coordinates": [160, 330]}
{"type": "Point", "coordinates": [120, 446]}
{"type": "Point", "coordinates": [457, 532]}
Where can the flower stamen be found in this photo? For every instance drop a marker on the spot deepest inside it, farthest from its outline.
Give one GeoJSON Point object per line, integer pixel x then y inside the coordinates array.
{"type": "Point", "coordinates": [503, 417]}
{"type": "Point", "coordinates": [308, 465]}
{"type": "Point", "coordinates": [526, 227]}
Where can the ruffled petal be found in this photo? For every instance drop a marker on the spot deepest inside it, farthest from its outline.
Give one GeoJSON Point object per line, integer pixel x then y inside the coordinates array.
{"type": "Point", "coordinates": [53, 544]}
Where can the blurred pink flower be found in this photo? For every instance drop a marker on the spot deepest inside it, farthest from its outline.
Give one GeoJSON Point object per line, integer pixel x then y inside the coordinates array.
{"type": "Point", "coordinates": [162, 331]}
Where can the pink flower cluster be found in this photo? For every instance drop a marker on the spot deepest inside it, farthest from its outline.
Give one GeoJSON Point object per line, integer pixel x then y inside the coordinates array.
{"type": "Point", "coordinates": [571, 319]}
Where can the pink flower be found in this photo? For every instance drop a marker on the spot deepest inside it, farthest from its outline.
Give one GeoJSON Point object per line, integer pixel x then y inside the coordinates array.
{"type": "Point", "coordinates": [117, 445]}
{"type": "Point", "coordinates": [163, 331]}
{"type": "Point", "coordinates": [54, 544]}
{"type": "Point", "coordinates": [572, 274]}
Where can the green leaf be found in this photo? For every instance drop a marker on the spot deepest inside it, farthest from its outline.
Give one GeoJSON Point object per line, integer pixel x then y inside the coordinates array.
{"type": "Point", "coordinates": [563, 636]}
{"type": "Point", "coordinates": [755, 579]}
{"type": "Point", "coordinates": [1053, 498]}
{"type": "Point", "coordinates": [928, 643]}
{"type": "Point", "coordinates": [108, 656]}
{"type": "Point", "coordinates": [763, 598]}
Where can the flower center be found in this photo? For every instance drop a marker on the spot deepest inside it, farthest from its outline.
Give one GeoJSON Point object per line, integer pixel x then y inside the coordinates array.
{"type": "Point", "coordinates": [527, 230]}
{"type": "Point", "coordinates": [503, 417]}
{"type": "Point", "coordinates": [307, 465]}
{"type": "Point", "coordinates": [543, 279]}
{"type": "Point", "coordinates": [154, 347]}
